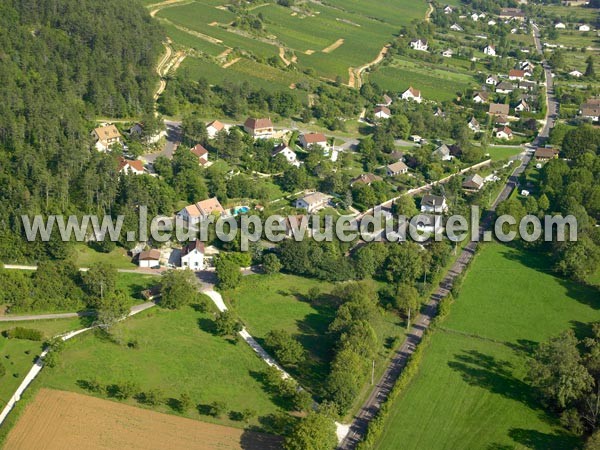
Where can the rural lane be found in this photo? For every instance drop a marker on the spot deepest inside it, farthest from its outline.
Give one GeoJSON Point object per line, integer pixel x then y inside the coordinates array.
{"type": "Point", "coordinates": [381, 391]}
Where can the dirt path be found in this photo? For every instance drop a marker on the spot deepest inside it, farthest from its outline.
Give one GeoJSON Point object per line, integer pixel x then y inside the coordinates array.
{"type": "Point", "coordinates": [204, 37]}
{"type": "Point", "coordinates": [333, 46]}
{"type": "Point", "coordinates": [282, 56]}
{"type": "Point", "coordinates": [355, 75]}
{"type": "Point", "coordinates": [230, 63]}
{"type": "Point", "coordinates": [156, 7]}
{"type": "Point", "coordinates": [428, 13]}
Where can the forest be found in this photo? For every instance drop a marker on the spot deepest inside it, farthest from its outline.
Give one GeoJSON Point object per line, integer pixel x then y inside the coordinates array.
{"type": "Point", "coordinates": [65, 63]}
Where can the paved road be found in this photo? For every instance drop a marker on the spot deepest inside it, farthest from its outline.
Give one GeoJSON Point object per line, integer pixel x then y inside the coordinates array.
{"type": "Point", "coordinates": [134, 310]}
{"type": "Point", "coordinates": [383, 388]}
{"type": "Point", "coordinates": [173, 140]}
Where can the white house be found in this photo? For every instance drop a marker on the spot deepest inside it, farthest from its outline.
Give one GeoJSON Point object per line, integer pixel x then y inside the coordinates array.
{"type": "Point", "coordinates": [434, 204]}
{"type": "Point", "coordinates": [106, 136]}
{"type": "Point", "coordinates": [385, 101]}
{"type": "Point", "coordinates": [576, 73]}
{"type": "Point", "coordinates": [448, 9]}
{"type": "Point", "coordinates": [443, 152]}
{"type": "Point", "coordinates": [192, 256]}
{"type": "Point", "coordinates": [474, 125]}
{"type": "Point", "coordinates": [213, 128]}
{"type": "Point", "coordinates": [474, 17]}
{"type": "Point", "coordinates": [504, 87]}
{"type": "Point", "coordinates": [448, 53]}
{"type": "Point", "coordinates": [201, 153]}
{"type": "Point", "coordinates": [560, 26]}
{"type": "Point", "coordinates": [419, 44]}
{"type": "Point", "coordinates": [492, 80]}
{"type": "Point", "coordinates": [193, 214]}
{"type": "Point", "coordinates": [481, 97]}
{"type": "Point", "coordinates": [412, 94]}
{"type": "Point", "coordinates": [504, 133]}
{"type": "Point", "coordinates": [259, 128]}
{"type": "Point", "coordinates": [490, 50]}
{"type": "Point", "coordinates": [456, 27]}
{"type": "Point", "coordinates": [584, 27]}
{"type": "Point", "coordinates": [130, 166]}
{"type": "Point", "coordinates": [149, 258]}
{"type": "Point", "coordinates": [309, 139]}
{"type": "Point", "coordinates": [522, 106]}
{"type": "Point", "coordinates": [491, 22]}
{"type": "Point", "coordinates": [287, 153]}
{"type": "Point", "coordinates": [382, 112]}
{"type": "Point", "coordinates": [397, 168]}
{"type": "Point", "coordinates": [313, 202]}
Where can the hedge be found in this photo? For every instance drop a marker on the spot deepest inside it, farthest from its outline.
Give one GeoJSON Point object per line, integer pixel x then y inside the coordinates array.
{"type": "Point", "coordinates": [30, 334]}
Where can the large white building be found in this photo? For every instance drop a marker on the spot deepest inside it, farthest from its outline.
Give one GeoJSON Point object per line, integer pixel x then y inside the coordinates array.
{"type": "Point", "coordinates": [192, 256]}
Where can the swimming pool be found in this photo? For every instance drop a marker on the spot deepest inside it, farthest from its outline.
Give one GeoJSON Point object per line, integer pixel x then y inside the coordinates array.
{"type": "Point", "coordinates": [240, 210]}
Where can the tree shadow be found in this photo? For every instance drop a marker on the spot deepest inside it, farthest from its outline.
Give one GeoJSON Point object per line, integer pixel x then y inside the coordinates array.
{"type": "Point", "coordinates": [274, 396]}
{"type": "Point", "coordinates": [207, 325]}
{"type": "Point", "coordinates": [523, 347]}
{"type": "Point", "coordinates": [543, 441]}
{"type": "Point", "coordinates": [252, 440]}
{"type": "Point", "coordinates": [175, 404]}
{"type": "Point", "coordinates": [485, 371]}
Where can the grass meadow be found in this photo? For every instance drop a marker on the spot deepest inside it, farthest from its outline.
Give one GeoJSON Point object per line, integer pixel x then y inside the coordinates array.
{"type": "Point", "coordinates": [470, 391]}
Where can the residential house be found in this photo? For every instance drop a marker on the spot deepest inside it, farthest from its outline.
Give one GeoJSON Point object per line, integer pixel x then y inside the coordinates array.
{"type": "Point", "coordinates": [544, 153]}
{"type": "Point", "coordinates": [136, 129]}
{"type": "Point", "coordinates": [490, 50]}
{"type": "Point", "coordinates": [522, 106]}
{"type": "Point", "coordinates": [434, 204]}
{"type": "Point", "coordinates": [419, 44]}
{"type": "Point", "coordinates": [397, 168]}
{"type": "Point", "coordinates": [448, 53]}
{"type": "Point", "coordinates": [501, 121]}
{"type": "Point", "coordinates": [456, 27]}
{"type": "Point", "coordinates": [428, 223]}
{"type": "Point", "coordinates": [590, 109]}
{"type": "Point", "coordinates": [474, 17]}
{"type": "Point", "coordinates": [576, 74]}
{"type": "Point", "coordinates": [474, 125]}
{"type": "Point", "coordinates": [309, 139]}
{"type": "Point", "coordinates": [259, 128]}
{"type": "Point", "coordinates": [504, 133]}
{"type": "Point", "coordinates": [504, 87]}
{"type": "Point", "coordinates": [130, 166]}
{"type": "Point", "coordinates": [192, 256]}
{"type": "Point", "coordinates": [492, 80]}
{"type": "Point", "coordinates": [519, 75]}
{"type": "Point", "coordinates": [412, 94]}
{"type": "Point", "coordinates": [491, 22]}
{"type": "Point", "coordinates": [527, 66]}
{"type": "Point", "coordinates": [385, 101]}
{"type": "Point", "coordinates": [443, 152]}
{"type": "Point", "coordinates": [382, 112]}
{"type": "Point", "coordinates": [397, 155]}
{"type": "Point", "coordinates": [527, 85]}
{"type": "Point", "coordinates": [365, 178]}
{"type": "Point", "coordinates": [313, 202]}
{"type": "Point", "coordinates": [287, 153]}
{"type": "Point", "coordinates": [214, 128]}
{"type": "Point", "coordinates": [473, 183]}
{"type": "Point", "coordinates": [438, 112]}
{"type": "Point", "coordinates": [512, 14]}
{"type": "Point", "coordinates": [149, 258]}
{"type": "Point", "coordinates": [448, 9]}
{"type": "Point", "coordinates": [560, 26]}
{"type": "Point", "coordinates": [584, 27]}
{"type": "Point", "coordinates": [481, 97]}
{"type": "Point", "coordinates": [105, 137]}
{"type": "Point", "coordinates": [499, 108]}
{"type": "Point", "coordinates": [201, 153]}
{"type": "Point", "coordinates": [195, 213]}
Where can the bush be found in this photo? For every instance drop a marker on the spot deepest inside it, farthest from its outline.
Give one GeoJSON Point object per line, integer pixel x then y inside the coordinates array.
{"type": "Point", "coordinates": [24, 333]}
{"type": "Point", "coordinates": [2, 370]}
{"type": "Point", "coordinates": [217, 409]}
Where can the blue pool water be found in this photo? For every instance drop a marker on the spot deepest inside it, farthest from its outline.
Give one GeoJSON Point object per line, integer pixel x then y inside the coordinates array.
{"type": "Point", "coordinates": [240, 210]}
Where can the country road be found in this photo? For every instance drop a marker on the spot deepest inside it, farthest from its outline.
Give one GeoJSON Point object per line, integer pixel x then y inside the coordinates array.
{"type": "Point", "coordinates": [382, 389]}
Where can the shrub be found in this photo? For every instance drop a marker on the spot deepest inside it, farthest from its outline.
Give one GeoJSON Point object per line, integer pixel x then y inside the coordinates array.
{"type": "Point", "coordinates": [2, 370]}
{"type": "Point", "coordinates": [30, 334]}
{"type": "Point", "coordinates": [217, 409]}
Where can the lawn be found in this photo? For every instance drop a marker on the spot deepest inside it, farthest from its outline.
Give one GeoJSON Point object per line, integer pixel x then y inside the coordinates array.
{"type": "Point", "coordinates": [17, 355]}
{"type": "Point", "coordinates": [84, 256]}
{"type": "Point", "coordinates": [133, 284]}
{"type": "Point", "coordinates": [273, 302]}
{"type": "Point", "coordinates": [498, 153]}
{"type": "Point", "coordinates": [176, 353]}
{"type": "Point", "coordinates": [470, 391]}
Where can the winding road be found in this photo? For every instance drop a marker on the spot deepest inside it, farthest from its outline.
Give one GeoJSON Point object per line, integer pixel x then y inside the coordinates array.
{"type": "Point", "coordinates": [382, 389]}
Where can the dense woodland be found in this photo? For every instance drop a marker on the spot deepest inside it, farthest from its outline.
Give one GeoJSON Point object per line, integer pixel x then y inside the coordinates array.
{"type": "Point", "coordinates": [63, 64]}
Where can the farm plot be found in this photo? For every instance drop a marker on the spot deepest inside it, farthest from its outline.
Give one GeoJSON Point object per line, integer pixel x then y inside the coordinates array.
{"type": "Point", "coordinates": [433, 82]}
{"type": "Point", "coordinates": [473, 375]}
{"type": "Point", "coordinates": [175, 352]}
{"type": "Point", "coordinates": [388, 11]}
{"type": "Point", "coordinates": [58, 420]}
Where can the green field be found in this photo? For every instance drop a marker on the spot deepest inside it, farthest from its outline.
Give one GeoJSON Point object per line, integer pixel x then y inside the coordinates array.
{"type": "Point", "coordinates": [266, 303]}
{"type": "Point", "coordinates": [177, 353]}
{"type": "Point", "coordinates": [470, 391]}
{"type": "Point", "coordinates": [435, 83]}
{"type": "Point", "coordinates": [498, 153]}
{"type": "Point", "coordinates": [17, 355]}
{"type": "Point", "coordinates": [364, 26]}
{"type": "Point", "coordinates": [85, 256]}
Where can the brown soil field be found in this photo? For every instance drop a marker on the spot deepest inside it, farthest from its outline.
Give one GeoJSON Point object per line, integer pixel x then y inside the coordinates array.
{"type": "Point", "coordinates": [333, 46]}
{"type": "Point", "coordinates": [59, 420]}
